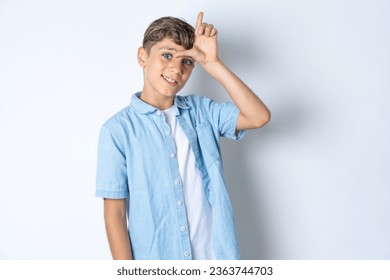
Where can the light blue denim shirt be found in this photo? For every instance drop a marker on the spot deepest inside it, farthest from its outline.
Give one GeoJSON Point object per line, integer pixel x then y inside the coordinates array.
{"type": "Point", "coordinates": [136, 161]}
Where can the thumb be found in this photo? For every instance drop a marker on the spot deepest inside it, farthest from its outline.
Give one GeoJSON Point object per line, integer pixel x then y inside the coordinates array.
{"type": "Point", "coordinates": [188, 53]}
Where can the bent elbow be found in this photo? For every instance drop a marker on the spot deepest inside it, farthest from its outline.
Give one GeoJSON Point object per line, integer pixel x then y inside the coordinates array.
{"type": "Point", "coordinates": [263, 120]}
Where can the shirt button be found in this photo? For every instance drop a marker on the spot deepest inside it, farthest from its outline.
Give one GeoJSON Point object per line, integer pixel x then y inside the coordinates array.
{"type": "Point", "coordinates": [172, 155]}
{"type": "Point", "coordinates": [183, 228]}
{"type": "Point", "coordinates": [177, 181]}
{"type": "Point", "coordinates": [167, 132]}
{"type": "Point", "coordinates": [158, 113]}
{"type": "Point", "coordinates": [186, 254]}
{"type": "Point", "coordinates": [178, 203]}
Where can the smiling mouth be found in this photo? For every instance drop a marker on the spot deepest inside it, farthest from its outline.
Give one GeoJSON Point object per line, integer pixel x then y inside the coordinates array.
{"type": "Point", "coordinates": [169, 80]}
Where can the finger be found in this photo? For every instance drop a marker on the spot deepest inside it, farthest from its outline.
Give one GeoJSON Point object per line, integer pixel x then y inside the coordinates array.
{"type": "Point", "coordinates": [201, 28]}
{"type": "Point", "coordinates": [198, 22]}
{"type": "Point", "coordinates": [185, 53]}
{"type": "Point", "coordinates": [199, 19]}
{"type": "Point", "coordinates": [208, 29]}
{"type": "Point", "coordinates": [213, 32]}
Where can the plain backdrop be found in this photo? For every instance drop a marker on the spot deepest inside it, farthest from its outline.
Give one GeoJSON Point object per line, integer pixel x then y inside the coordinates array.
{"type": "Point", "coordinates": [313, 184]}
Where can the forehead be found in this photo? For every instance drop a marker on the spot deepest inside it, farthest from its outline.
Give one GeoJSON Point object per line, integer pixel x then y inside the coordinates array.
{"type": "Point", "coordinates": [167, 45]}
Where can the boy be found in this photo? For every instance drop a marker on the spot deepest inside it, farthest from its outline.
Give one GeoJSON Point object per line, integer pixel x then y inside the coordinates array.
{"type": "Point", "coordinates": [159, 160]}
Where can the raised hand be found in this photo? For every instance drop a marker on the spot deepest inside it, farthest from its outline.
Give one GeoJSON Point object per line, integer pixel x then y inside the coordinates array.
{"type": "Point", "coordinates": [253, 112]}
{"type": "Point", "coordinates": [205, 48]}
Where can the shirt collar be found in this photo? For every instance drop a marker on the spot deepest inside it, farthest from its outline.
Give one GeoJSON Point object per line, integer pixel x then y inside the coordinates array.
{"type": "Point", "coordinates": [180, 102]}
{"type": "Point", "coordinates": [145, 108]}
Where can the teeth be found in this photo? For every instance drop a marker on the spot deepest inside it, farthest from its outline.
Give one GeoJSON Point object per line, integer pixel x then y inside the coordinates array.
{"type": "Point", "coordinates": [169, 79]}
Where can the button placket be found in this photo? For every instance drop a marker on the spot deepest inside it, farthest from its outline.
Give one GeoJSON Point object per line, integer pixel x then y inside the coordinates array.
{"type": "Point", "coordinates": [178, 196]}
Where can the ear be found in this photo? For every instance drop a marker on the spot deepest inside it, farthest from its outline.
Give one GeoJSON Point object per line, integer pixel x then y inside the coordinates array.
{"type": "Point", "coordinates": [142, 56]}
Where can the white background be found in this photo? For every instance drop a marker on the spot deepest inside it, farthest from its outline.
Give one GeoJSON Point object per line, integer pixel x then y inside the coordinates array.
{"type": "Point", "coordinates": [313, 184]}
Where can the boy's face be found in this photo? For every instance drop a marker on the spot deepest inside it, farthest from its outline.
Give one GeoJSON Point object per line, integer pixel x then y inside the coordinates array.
{"type": "Point", "coordinates": [165, 70]}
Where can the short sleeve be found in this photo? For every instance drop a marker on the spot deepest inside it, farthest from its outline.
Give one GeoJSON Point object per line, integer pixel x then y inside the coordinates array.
{"type": "Point", "coordinates": [224, 116]}
{"type": "Point", "coordinates": [111, 174]}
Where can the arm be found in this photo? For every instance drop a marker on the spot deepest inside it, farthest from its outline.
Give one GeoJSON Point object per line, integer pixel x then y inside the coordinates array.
{"type": "Point", "coordinates": [116, 227]}
{"type": "Point", "coordinates": [253, 112]}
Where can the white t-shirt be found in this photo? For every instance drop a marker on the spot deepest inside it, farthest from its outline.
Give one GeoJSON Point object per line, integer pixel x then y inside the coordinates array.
{"type": "Point", "coordinates": [199, 212]}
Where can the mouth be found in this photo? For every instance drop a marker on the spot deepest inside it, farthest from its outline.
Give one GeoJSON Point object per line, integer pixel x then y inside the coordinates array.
{"type": "Point", "coordinates": [169, 80]}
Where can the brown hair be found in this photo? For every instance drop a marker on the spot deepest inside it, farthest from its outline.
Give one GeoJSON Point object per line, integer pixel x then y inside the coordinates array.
{"type": "Point", "coordinates": [173, 28]}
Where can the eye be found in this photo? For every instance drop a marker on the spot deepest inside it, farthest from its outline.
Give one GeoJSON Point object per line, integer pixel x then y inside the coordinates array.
{"type": "Point", "coordinates": [167, 55]}
{"type": "Point", "coordinates": [188, 62]}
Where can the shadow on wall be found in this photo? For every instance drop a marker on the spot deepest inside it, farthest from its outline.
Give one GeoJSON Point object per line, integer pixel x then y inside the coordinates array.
{"type": "Point", "coordinates": [251, 223]}
{"type": "Point", "coordinates": [249, 193]}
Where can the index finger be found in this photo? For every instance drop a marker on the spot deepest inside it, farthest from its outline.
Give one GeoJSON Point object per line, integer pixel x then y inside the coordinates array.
{"type": "Point", "coordinates": [199, 19]}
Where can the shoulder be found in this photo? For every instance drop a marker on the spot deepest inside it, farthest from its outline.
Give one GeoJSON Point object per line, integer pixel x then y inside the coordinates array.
{"type": "Point", "coordinates": [118, 117]}
{"type": "Point", "coordinates": [119, 122]}
{"type": "Point", "coordinates": [204, 104]}
{"type": "Point", "coordinates": [115, 130]}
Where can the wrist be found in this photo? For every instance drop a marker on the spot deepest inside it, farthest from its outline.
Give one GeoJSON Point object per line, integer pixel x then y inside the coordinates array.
{"type": "Point", "coordinates": [213, 65]}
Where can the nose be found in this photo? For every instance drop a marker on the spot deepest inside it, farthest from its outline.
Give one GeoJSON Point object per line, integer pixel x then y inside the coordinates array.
{"type": "Point", "coordinates": [175, 66]}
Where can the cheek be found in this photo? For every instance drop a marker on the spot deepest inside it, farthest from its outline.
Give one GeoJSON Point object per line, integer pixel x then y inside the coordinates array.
{"type": "Point", "coordinates": [153, 68]}
{"type": "Point", "coordinates": [187, 73]}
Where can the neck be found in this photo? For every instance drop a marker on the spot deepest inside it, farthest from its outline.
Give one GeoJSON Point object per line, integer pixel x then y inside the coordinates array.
{"type": "Point", "coordinates": [160, 103]}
